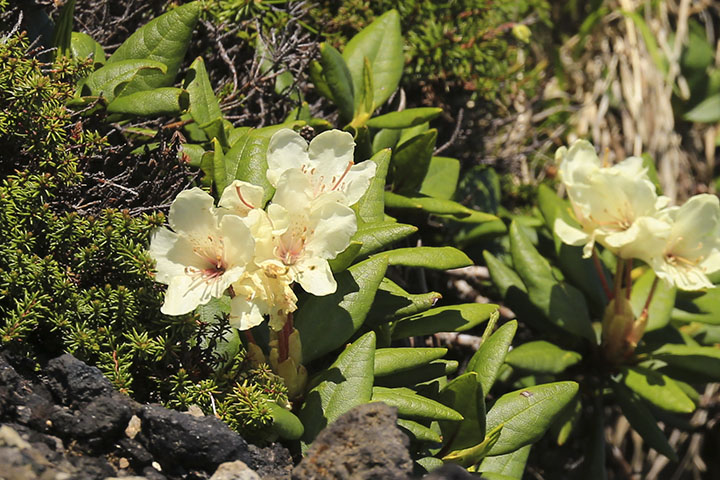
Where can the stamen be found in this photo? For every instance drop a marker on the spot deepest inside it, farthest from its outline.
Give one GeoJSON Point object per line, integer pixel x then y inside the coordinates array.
{"type": "Point", "coordinates": [342, 177]}
{"type": "Point", "coordinates": [242, 199]}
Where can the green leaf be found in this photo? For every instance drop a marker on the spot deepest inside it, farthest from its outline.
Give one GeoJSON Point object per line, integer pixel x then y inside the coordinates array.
{"type": "Point", "coordinates": [338, 80]}
{"type": "Point", "coordinates": [411, 405]}
{"type": "Point", "coordinates": [568, 420]}
{"type": "Point", "coordinates": [430, 463]}
{"type": "Point", "coordinates": [703, 361]}
{"type": "Point", "coordinates": [113, 80]}
{"type": "Point", "coordinates": [382, 44]}
{"type": "Point", "coordinates": [345, 258]}
{"type": "Point", "coordinates": [204, 106]}
{"type": "Point", "coordinates": [83, 46]}
{"type": "Point", "coordinates": [527, 413]}
{"type": "Point", "coordinates": [438, 206]}
{"type": "Point", "coordinates": [62, 34]}
{"type": "Point", "coordinates": [191, 153]}
{"type": "Point", "coordinates": [364, 106]}
{"type": "Point", "coordinates": [247, 159]}
{"type": "Point", "coordinates": [510, 466]}
{"type": "Point", "coordinates": [326, 323]}
{"type": "Point", "coordinates": [378, 236]}
{"type": "Point", "coordinates": [452, 318]}
{"type": "Point", "coordinates": [657, 388]}
{"type": "Point", "coordinates": [164, 39]}
{"type": "Point", "coordinates": [419, 432]}
{"type": "Point", "coordinates": [643, 421]}
{"type": "Point", "coordinates": [437, 258]}
{"type": "Point", "coordinates": [317, 77]}
{"type": "Point", "coordinates": [152, 103]}
{"type": "Point", "coordinates": [385, 138]}
{"type": "Point", "coordinates": [392, 303]}
{"type": "Point", "coordinates": [707, 111]}
{"type": "Point", "coordinates": [486, 362]}
{"type": "Point", "coordinates": [218, 166]}
{"type": "Point", "coordinates": [371, 206]}
{"type": "Point", "coordinates": [405, 118]}
{"type": "Point", "coordinates": [394, 360]}
{"type": "Point", "coordinates": [561, 303]}
{"type": "Point", "coordinates": [346, 384]}
{"type": "Point", "coordinates": [661, 305]}
{"type": "Point", "coordinates": [410, 162]}
{"type": "Point", "coordinates": [285, 424]}
{"type": "Point", "coordinates": [434, 370]}
{"type": "Point", "coordinates": [703, 307]}
{"type": "Point", "coordinates": [441, 178]}
{"type": "Point", "coordinates": [464, 395]}
{"type": "Point", "coordinates": [473, 455]}
{"type": "Point", "coordinates": [542, 357]}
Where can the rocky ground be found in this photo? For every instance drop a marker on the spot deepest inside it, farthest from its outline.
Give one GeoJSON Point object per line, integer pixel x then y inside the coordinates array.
{"type": "Point", "coordinates": [66, 422]}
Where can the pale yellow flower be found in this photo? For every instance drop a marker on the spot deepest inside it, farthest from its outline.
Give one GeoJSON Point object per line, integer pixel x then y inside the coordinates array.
{"type": "Point", "coordinates": [202, 255]}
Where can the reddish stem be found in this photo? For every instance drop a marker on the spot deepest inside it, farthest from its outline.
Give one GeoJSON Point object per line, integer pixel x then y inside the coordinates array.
{"type": "Point", "coordinates": [601, 274]}
{"type": "Point", "coordinates": [628, 278]}
{"type": "Point", "coordinates": [284, 339]}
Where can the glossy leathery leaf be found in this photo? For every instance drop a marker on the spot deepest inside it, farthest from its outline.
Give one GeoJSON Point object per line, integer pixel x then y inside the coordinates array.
{"type": "Point", "coordinates": [452, 318]}
{"type": "Point", "coordinates": [661, 305]}
{"type": "Point", "coordinates": [527, 413]}
{"type": "Point", "coordinates": [419, 432]}
{"type": "Point", "coordinates": [707, 111]}
{"type": "Point", "coordinates": [567, 420]}
{"type": "Point", "coordinates": [410, 163]}
{"type": "Point", "coordinates": [441, 178]}
{"type": "Point", "coordinates": [317, 76]}
{"type": "Point", "coordinates": [338, 81]}
{"type": "Point", "coordinates": [395, 360]}
{"type": "Point", "coordinates": [411, 405]}
{"type": "Point", "coordinates": [702, 361]}
{"type": "Point", "coordinates": [381, 43]}
{"type": "Point", "coordinates": [430, 463]}
{"type": "Point", "coordinates": [561, 303]}
{"type": "Point", "coordinates": [657, 388]}
{"type": "Point", "coordinates": [488, 359]}
{"type": "Point", "coordinates": [204, 106]}
{"type": "Point", "coordinates": [346, 258]}
{"type": "Point", "coordinates": [473, 455]}
{"type": "Point", "coordinates": [464, 395]}
{"type": "Point", "coordinates": [62, 34]}
{"type": "Point", "coordinates": [385, 138]}
{"type": "Point", "coordinates": [510, 466]}
{"type": "Point", "coordinates": [164, 39]}
{"type": "Point", "coordinates": [392, 303]}
{"type": "Point", "coordinates": [218, 166]}
{"type": "Point", "coordinates": [341, 313]}
{"type": "Point", "coordinates": [436, 258]}
{"type": "Point", "coordinates": [405, 118]}
{"type": "Point", "coordinates": [438, 206]}
{"type": "Point", "coordinates": [542, 357]}
{"type": "Point", "coordinates": [430, 372]}
{"type": "Point", "coordinates": [643, 421]}
{"type": "Point", "coordinates": [151, 103]}
{"type": "Point", "coordinates": [83, 45]}
{"type": "Point", "coordinates": [285, 424]}
{"type": "Point", "coordinates": [364, 105]}
{"type": "Point", "coordinates": [702, 306]}
{"type": "Point", "coordinates": [113, 80]}
{"type": "Point", "coordinates": [378, 236]}
{"type": "Point", "coordinates": [371, 206]}
{"type": "Point", "coordinates": [344, 385]}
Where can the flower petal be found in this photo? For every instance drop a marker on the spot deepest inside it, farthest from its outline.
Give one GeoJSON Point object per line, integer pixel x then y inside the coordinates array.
{"type": "Point", "coordinates": [192, 213]}
{"type": "Point", "coordinates": [240, 197]}
{"type": "Point", "coordinates": [333, 224]}
{"type": "Point", "coordinates": [238, 242]}
{"type": "Point", "coordinates": [287, 149]}
{"type": "Point", "coordinates": [330, 154]}
{"type": "Point", "coordinates": [315, 277]}
{"type": "Point", "coordinates": [163, 240]}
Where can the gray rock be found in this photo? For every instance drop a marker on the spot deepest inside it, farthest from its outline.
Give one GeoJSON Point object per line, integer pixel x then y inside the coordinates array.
{"type": "Point", "coordinates": [363, 444]}
{"type": "Point", "coordinates": [236, 470]}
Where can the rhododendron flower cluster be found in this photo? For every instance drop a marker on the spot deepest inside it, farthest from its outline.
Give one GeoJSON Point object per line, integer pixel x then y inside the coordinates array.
{"type": "Point", "coordinates": [255, 253]}
{"type": "Point", "coordinates": [618, 207]}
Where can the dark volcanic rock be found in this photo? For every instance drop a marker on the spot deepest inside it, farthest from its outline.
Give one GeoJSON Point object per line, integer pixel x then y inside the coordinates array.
{"type": "Point", "coordinates": [364, 443]}
{"type": "Point", "coordinates": [72, 404]}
